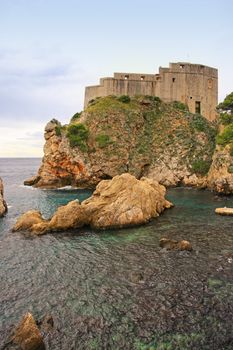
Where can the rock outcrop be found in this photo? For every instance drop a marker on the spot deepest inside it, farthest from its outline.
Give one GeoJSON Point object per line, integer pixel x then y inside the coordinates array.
{"type": "Point", "coordinates": [224, 211]}
{"type": "Point", "coordinates": [220, 176]}
{"type": "Point", "coordinates": [171, 244]}
{"type": "Point", "coordinates": [27, 334]}
{"type": "Point", "coordinates": [3, 205]}
{"type": "Point", "coordinates": [120, 202]}
{"type": "Point", "coordinates": [144, 137]}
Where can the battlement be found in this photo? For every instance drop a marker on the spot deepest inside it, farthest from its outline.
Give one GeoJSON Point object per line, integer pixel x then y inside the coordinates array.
{"type": "Point", "coordinates": [193, 84]}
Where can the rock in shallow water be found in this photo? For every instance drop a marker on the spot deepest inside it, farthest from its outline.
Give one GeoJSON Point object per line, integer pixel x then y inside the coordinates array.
{"type": "Point", "coordinates": [120, 202]}
{"type": "Point", "coordinates": [224, 211]}
{"type": "Point", "coordinates": [171, 244]}
{"type": "Point", "coordinates": [27, 334]}
{"type": "Point", "coordinates": [3, 206]}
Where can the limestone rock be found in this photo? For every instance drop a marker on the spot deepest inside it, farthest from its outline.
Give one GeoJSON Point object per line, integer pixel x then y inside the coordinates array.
{"type": "Point", "coordinates": [120, 202]}
{"type": "Point", "coordinates": [3, 205]}
{"type": "Point", "coordinates": [224, 211]}
{"type": "Point", "coordinates": [171, 244]}
{"type": "Point", "coordinates": [32, 181]}
{"type": "Point", "coordinates": [125, 201]}
{"type": "Point", "coordinates": [220, 176]}
{"type": "Point", "coordinates": [27, 334]}
{"type": "Point", "coordinates": [26, 221]}
{"type": "Point", "coordinates": [152, 139]}
{"type": "Point", "coordinates": [72, 215]}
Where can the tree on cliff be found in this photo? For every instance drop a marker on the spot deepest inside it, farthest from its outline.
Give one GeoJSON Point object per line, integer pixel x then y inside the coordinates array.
{"type": "Point", "coordinates": [227, 104]}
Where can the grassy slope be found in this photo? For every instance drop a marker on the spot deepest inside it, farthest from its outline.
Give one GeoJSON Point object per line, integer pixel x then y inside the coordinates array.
{"type": "Point", "coordinates": [144, 130]}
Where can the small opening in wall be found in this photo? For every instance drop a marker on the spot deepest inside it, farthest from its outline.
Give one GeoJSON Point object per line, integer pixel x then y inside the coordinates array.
{"type": "Point", "coordinates": [142, 77]}
{"type": "Point", "coordinates": [157, 78]}
{"type": "Point", "coordinates": [173, 80]}
{"type": "Point", "coordinates": [126, 77]}
{"type": "Point", "coordinates": [190, 97]}
{"type": "Point", "coordinates": [198, 107]}
{"type": "Point", "coordinates": [181, 66]}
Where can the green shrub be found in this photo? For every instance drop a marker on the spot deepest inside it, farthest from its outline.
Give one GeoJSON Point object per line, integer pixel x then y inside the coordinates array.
{"type": "Point", "coordinates": [226, 118]}
{"type": "Point", "coordinates": [201, 166]}
{"type": "Point", "coordinates": [78, 135]}
{"type": "Point", "coordinates": [227, 104]}
{"type": "Point", "coordinates": [103, 140]}
{"type": "Point", "coordinates": [226, 136]}
{"type": "Point", "coordinates": [231, 149]}
{"type": "Point", "coordinates": [199, 123]}
{"type": "Point", "coordinates": [124, 99]}
{"type": "Point", "coordinates": [75, 117]}
{"type": "Point", "coordinates": [58, 130]}
{"type": "Point", "coordinates": [230, 169]}
{"type": "Point", "coordinates": [180, 105]}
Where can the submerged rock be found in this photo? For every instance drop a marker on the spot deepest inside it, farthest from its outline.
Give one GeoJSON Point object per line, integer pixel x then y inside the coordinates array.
{"type": "Point", "coordinates": [27, 334]}
{"type": "Point", "coordinates": [3, 205]}
{"type": "Point", "coordinates": [171, 244]}
{"type": "Point", "coordinates": [120, 202]}
{"type": "Point", "coordinates": [224, 211]}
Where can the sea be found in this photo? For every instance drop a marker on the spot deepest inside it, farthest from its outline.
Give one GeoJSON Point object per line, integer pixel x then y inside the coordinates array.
{"type": "Point", "coordinates": [117, 289]}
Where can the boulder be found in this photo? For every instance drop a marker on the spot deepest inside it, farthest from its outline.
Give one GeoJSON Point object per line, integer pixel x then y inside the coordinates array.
{"type": "Point", "coordinates": [32, 181]}
{"type": "Point", "coordinates": [224, 211]}
{"type": "Point", "coordinates": [27, 220]}
{"type": "Point", "coordinates": [3, 205]}
{"type": "Point", "coordinates": [27, 334]}
{"type": "Point", "coordinates": [120, 202]}
{"type": "Point", "coordinates": [125, 201]}
{"type": "Point", "coordinates": [171, 244]}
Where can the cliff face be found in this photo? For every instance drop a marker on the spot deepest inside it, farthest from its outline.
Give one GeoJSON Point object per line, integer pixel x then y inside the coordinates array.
{"type": "Point", "coordinates": [142, 136]}
{"type": "Point", "coordinates": [3, 206]}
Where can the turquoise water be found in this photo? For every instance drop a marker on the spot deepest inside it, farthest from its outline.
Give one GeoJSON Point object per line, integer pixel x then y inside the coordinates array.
{"type": "Point", "coordinates": [117, 289]}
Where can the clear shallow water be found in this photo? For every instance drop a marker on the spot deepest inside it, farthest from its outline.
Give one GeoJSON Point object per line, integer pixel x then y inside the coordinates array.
{"type": "Point", "coordinates": [118, 289]}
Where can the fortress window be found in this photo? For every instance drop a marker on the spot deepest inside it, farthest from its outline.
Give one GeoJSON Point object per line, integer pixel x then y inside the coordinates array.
{"type": "Point", "coordinates": [126, 77]}
{"type": "Point", "coordinates": [190, 97]}
{"type": "Point", "coordinates": [173, 80]}
{"type": "Point", "coordinates": [181, 66]}
{"type": "Point", "coordinates": [198, 107]}
{"type": "Point", "coordinates": [142, 77]}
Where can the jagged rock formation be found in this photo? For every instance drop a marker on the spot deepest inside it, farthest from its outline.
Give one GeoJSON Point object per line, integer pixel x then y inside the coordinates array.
{"type": "Point", "coordinates": [220, 176]}
{"type": "Point", "coordinates": [142, 136]}
{"type": "Point", "coordinates": [120, 202]}
{"type": "Point", "coordinates": [3, 205]}
{"type": "Point", "coordinates": [27, 334]}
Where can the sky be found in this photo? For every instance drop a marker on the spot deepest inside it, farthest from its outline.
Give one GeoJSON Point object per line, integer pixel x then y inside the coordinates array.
{"type": "Point", "coordinates": [51, 49]}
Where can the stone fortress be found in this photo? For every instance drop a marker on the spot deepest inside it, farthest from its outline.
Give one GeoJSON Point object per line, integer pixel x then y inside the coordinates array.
{"type": "Point", "coordinates": [195, 85]}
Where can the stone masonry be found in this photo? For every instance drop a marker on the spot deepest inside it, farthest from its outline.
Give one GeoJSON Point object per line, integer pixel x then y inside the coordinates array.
{"type": "Point", "coordinates": [195, 85]}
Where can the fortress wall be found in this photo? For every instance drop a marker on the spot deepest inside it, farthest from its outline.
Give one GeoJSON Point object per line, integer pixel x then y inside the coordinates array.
{"type": "Point", "coordinates": [193, 84]}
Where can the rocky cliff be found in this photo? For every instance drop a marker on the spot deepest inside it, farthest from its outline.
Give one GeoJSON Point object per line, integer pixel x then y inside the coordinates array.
{"type": "Point", "coordinates": [143, 136]}
{"type": "Point", "coordinates": [3, 206]}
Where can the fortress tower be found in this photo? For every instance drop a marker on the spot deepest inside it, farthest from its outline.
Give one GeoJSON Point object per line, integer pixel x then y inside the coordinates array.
{"type": "Point", "coordinates": [193, 84]}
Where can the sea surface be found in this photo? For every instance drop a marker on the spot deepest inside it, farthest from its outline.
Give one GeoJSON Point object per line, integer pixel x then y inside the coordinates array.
{"type": "Point", "coordinates": [117, 289]}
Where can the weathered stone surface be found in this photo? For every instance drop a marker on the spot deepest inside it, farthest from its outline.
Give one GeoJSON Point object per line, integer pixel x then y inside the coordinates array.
{"type": "Point", "coordinates": [3, 205]}
{"type": "Point", "coordinates": [27, 334]}
{"type": "Point", "coordinates": [26, 221]}
{"type": "Point", "coordinates": [171, 244]}
{"type": "Point", "coordinates": [32, 181]}
{"type": "Point", "coordinates": [120, 202]}
{"type": "Point", "coordinates": [220, 179]}
{"type": "Point", "coordinates": [72, 215]}
{"type": "Point", "coordinates": [224, 211]}
{"type": "Point", "coordinates": [152, 139]}
{"type": "Point", "coordinates": [125, 201]}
